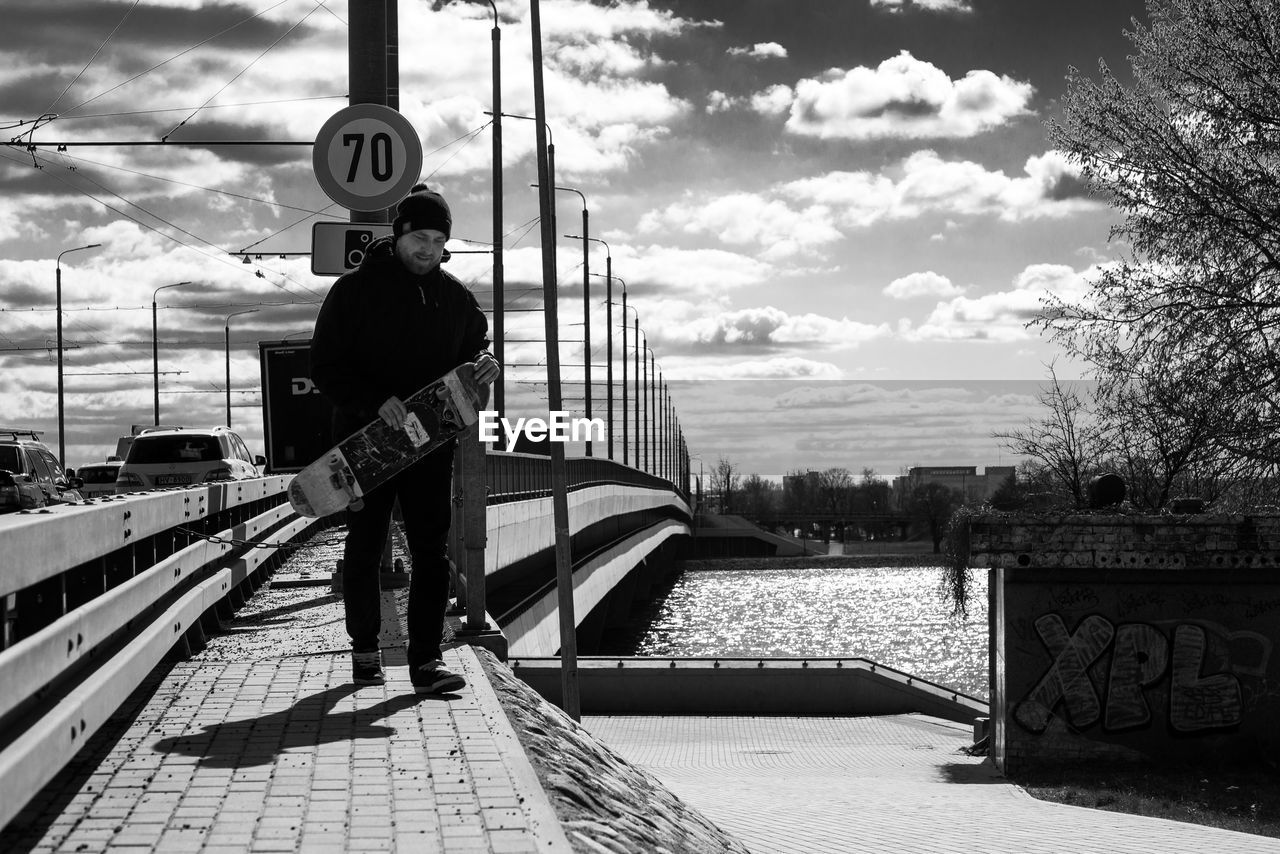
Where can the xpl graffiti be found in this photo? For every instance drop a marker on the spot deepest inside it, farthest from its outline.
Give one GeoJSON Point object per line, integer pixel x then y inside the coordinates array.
{"type": "Point", "coordinates": [1141, 658]}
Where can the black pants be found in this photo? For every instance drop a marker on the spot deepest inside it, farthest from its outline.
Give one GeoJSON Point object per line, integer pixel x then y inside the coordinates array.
{"type": "Point", "coordinates": [424, 490]}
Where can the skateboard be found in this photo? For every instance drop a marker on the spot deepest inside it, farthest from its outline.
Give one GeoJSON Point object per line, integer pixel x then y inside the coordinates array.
{"type": "Point", "coordinates": [344, 474]}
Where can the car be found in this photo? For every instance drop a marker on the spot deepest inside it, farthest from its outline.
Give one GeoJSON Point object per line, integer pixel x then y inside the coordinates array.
{"type": "Point", "coordinates": [185, 456]}
{"type": "Point", "coordinates": [99, 478]}
{"type": "Point", "coordinates": [30, 474]}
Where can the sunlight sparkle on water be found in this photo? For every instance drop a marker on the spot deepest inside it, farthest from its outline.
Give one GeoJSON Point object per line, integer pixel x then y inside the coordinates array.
{"type": "Point", "coordinates": [891, 615]}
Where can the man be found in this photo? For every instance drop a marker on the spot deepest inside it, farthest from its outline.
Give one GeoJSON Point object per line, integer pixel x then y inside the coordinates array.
{"type": "Point", "coordinates": [386, 330]}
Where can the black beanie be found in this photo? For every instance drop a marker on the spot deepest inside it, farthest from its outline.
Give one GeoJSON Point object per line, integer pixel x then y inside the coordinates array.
{"type": "Point", "coordinates": [422, 208]}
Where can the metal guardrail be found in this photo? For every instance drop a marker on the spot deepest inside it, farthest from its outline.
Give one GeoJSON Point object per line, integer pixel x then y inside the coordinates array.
{"type": "Point", "coordinates": [95, 594]}
{"type": "Point", "coordinates": [515, 477]}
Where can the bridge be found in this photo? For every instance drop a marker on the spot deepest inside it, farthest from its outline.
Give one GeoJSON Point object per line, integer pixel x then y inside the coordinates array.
{"type": "Point", "coordinates": [98, 595]}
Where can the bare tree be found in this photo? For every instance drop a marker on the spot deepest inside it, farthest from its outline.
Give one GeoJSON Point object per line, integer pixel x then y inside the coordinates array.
{"type": "Point", "coordinates": [724, 480]}
{"type": "Point", "coordinates": [1068, 442]}
{"type": "Point", "coordinates": [1188, 155]}
{"type": "Point", "coordinates": [834, 485]}
{"type": "Point", "coordinates": [758, 497]}
{"type": "Point", "coordinates": [932, 504]}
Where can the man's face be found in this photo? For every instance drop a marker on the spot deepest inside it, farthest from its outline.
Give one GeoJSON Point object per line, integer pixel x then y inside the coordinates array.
{"type": "Point", "coordinates": [420, 251]}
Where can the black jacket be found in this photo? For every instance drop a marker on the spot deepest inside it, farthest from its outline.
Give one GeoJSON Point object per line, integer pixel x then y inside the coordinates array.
{"type": "Point", "coordinates": [384, 331]}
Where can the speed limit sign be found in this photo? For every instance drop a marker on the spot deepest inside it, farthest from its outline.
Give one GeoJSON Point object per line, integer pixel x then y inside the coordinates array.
{"type": "Point", "coordinates": [366, 157]}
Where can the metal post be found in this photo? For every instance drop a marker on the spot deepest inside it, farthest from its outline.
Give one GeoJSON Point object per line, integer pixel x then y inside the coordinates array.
{"type": "Point", "coordinates": [624, 374]}
{"type": "Point", "coordinates": [639, 465]}
{"type": "Point", "coordinates": [155, 352]}
{"type": "Point", "coordinates": [570, 700]}
{"type": "Point", "coordinates": [608, 337]}
{"type": "Point", "coordinates": [227, 329]}
{"type": "Point", "coordinates": [586, 315]}
{"type": "Point", "coordinates": [645, 409]}
{"type": "Point", "coordinates": [499, 310]}
{"type": "Point", "coordinates": [62, 432]}
{"type": "Point", "coordinates": [373, 72]}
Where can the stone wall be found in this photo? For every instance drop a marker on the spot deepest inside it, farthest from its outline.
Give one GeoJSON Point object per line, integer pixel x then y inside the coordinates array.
{"type": "Point", "coordinates": [1130, 639]}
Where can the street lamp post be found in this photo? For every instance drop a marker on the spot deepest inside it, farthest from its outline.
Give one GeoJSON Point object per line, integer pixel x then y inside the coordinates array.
{"type": "Point", "coordinates": [586, 303]}
{"type": "Point", "coordinates": [155, 352]}
{"type": "Point", "coordinates": [499, 313]}
{"type": "Point", "coordinates": [608, 336]}
{"type": "Point", "coordinates": [227, 329]}
{"type": "Point", "coordinates": [62, 442]}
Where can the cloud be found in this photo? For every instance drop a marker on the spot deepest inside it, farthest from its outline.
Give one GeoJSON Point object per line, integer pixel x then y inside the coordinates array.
{"type": "Point", "coordinates": [904, 98]}
{"type": "Point", "coordinates": [769, 328]}
{"type": "Point", "coordinates": [926, 183]}
{"type": "Point", "coordinates": [803, 216]}
{"type": "Point", "coordinates": [925, 5]}
{"type": "Point", "coordinates": [748, 219]}
{"type": "Point", "coordinates": [760, 50]}
{"type": "Point", "coordinates": [1003, 315]}
{"type": "Point", "coordinates": [775, 100]}
{"type": "Point", "coordinates": [775, 368]}
{"type": "Point", "coordinates": [923, 284]}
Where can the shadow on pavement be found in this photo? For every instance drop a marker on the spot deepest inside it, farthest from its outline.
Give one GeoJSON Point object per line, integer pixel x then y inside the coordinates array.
{"type": "Point", "coordinates": [984, 772]}
{"type": "Point", "coordinates": [310, 721]}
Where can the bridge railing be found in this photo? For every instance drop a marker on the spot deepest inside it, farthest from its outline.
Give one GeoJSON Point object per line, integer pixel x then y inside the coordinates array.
{"type": "Point", "coordinates": [95, 594]}
{"type": "Point", "coordinates": [515, 477]}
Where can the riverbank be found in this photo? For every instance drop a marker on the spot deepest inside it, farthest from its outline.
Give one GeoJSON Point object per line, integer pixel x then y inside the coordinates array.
{"type": "Point", "coordinates": [860, 560]}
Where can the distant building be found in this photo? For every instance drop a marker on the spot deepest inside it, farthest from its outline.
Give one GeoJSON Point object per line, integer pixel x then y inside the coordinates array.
{"type": "Point", "coordinates": [976, 488]}
{"type": "Point", "coordinates": [800, 484]}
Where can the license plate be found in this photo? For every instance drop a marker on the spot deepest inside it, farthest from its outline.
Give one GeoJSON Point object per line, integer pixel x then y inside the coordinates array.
{"type": "Point", "coordinates": [172, 479]}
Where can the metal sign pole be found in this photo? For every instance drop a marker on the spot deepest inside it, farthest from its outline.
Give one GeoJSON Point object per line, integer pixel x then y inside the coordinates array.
{"type": "Point", "coordinates": [559, 478]}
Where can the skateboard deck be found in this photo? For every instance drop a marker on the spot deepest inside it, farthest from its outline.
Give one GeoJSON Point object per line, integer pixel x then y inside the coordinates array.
{"type": "Point", "coordinates": [344, 474]}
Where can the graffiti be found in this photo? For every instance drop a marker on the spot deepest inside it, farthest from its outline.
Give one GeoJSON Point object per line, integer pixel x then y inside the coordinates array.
{"type": "Point", "coordinates": [1068, 678]}
{"type": "Point", "coordinates": [1141, 657]}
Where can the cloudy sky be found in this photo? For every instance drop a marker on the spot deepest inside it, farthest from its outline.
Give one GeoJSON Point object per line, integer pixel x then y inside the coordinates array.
{"type": "Point", "coordinates": [833, 217]}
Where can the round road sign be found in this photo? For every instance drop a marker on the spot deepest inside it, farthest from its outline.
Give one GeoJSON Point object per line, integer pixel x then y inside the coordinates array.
{"type": "Point", "coordinates": [367, 157]}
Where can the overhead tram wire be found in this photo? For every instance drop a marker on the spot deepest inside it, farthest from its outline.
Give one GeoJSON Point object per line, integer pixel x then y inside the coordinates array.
{"type": "Point", "coordinates": [252, 63]}
{"type": "Point", "coordinates": [124, 113]}
{"type": "Point", "coordinates": [228, 193]}
{"type": "Point", "coordinates": [178, 55]}
{"type": "Point", "coordinates": [220, 257]}
{"type": "Point", "coordinates": [177, 228]}
{"type": "Point", "coordinates": [110, 35]}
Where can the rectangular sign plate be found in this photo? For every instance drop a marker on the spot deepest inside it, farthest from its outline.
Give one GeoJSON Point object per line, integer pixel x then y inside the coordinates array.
{"type": "Point", "coordinates": [339, 247]}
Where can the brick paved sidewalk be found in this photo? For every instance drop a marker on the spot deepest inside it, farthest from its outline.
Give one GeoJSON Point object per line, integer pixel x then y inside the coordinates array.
{"type": "Point", "coordinates": [285, 754]}
{"type": "Point", "coordinates": [880, 785]}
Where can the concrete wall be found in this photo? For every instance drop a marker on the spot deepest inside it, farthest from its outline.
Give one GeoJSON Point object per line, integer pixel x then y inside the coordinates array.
{"type": "Point", "coordinates": [1132, 638]}
{"type": "Point", "coordinates": [740, 686]}
{"type": "Point", "coordinates": [536, 632]}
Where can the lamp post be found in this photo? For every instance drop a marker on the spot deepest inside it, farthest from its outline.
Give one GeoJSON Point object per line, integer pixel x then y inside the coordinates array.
{"type": "Point", "coordinates": [499, 317]}
{"type": "Point", "coordinates": [569, 693]}
{"type": "Point", "coordinates": [227, 329]}
{"type": "Point", "coordinates": [155, 352]}
{"type": "Point", "coordinates": [499, 314]}
{"type": "Point", "coordinates": [608, 336]}
{"type": "Point", "coordinates": [62, 442]}
{"type": "Point", "coordinates": [623, 324]}
{"type": "Point", "coordinates": [586, 304]}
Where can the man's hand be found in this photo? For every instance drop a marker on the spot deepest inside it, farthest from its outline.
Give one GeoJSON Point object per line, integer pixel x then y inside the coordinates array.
{"type": "Point", "coordinates": [393, 412]}
{"type": "Point", "coordinates": [487, 368]}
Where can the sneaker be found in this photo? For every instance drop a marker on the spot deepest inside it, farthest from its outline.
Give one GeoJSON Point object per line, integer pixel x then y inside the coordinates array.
{"type": "Point", "coordinates": [366, 668]}
{"type": "Point", "coordinates": [434, 678]}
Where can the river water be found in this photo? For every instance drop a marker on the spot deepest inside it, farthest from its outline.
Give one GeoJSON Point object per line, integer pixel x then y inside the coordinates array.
{"type": "Point", "coordinates": [894, 616]}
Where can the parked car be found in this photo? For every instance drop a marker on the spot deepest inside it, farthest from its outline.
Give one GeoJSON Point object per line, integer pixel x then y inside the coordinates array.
{"type": "Point", "coordinates": [99, 478]}
{"type": "Point", "coordinates": [184, 456]}
{"type": "Point", "coordinates": [30, 474]}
